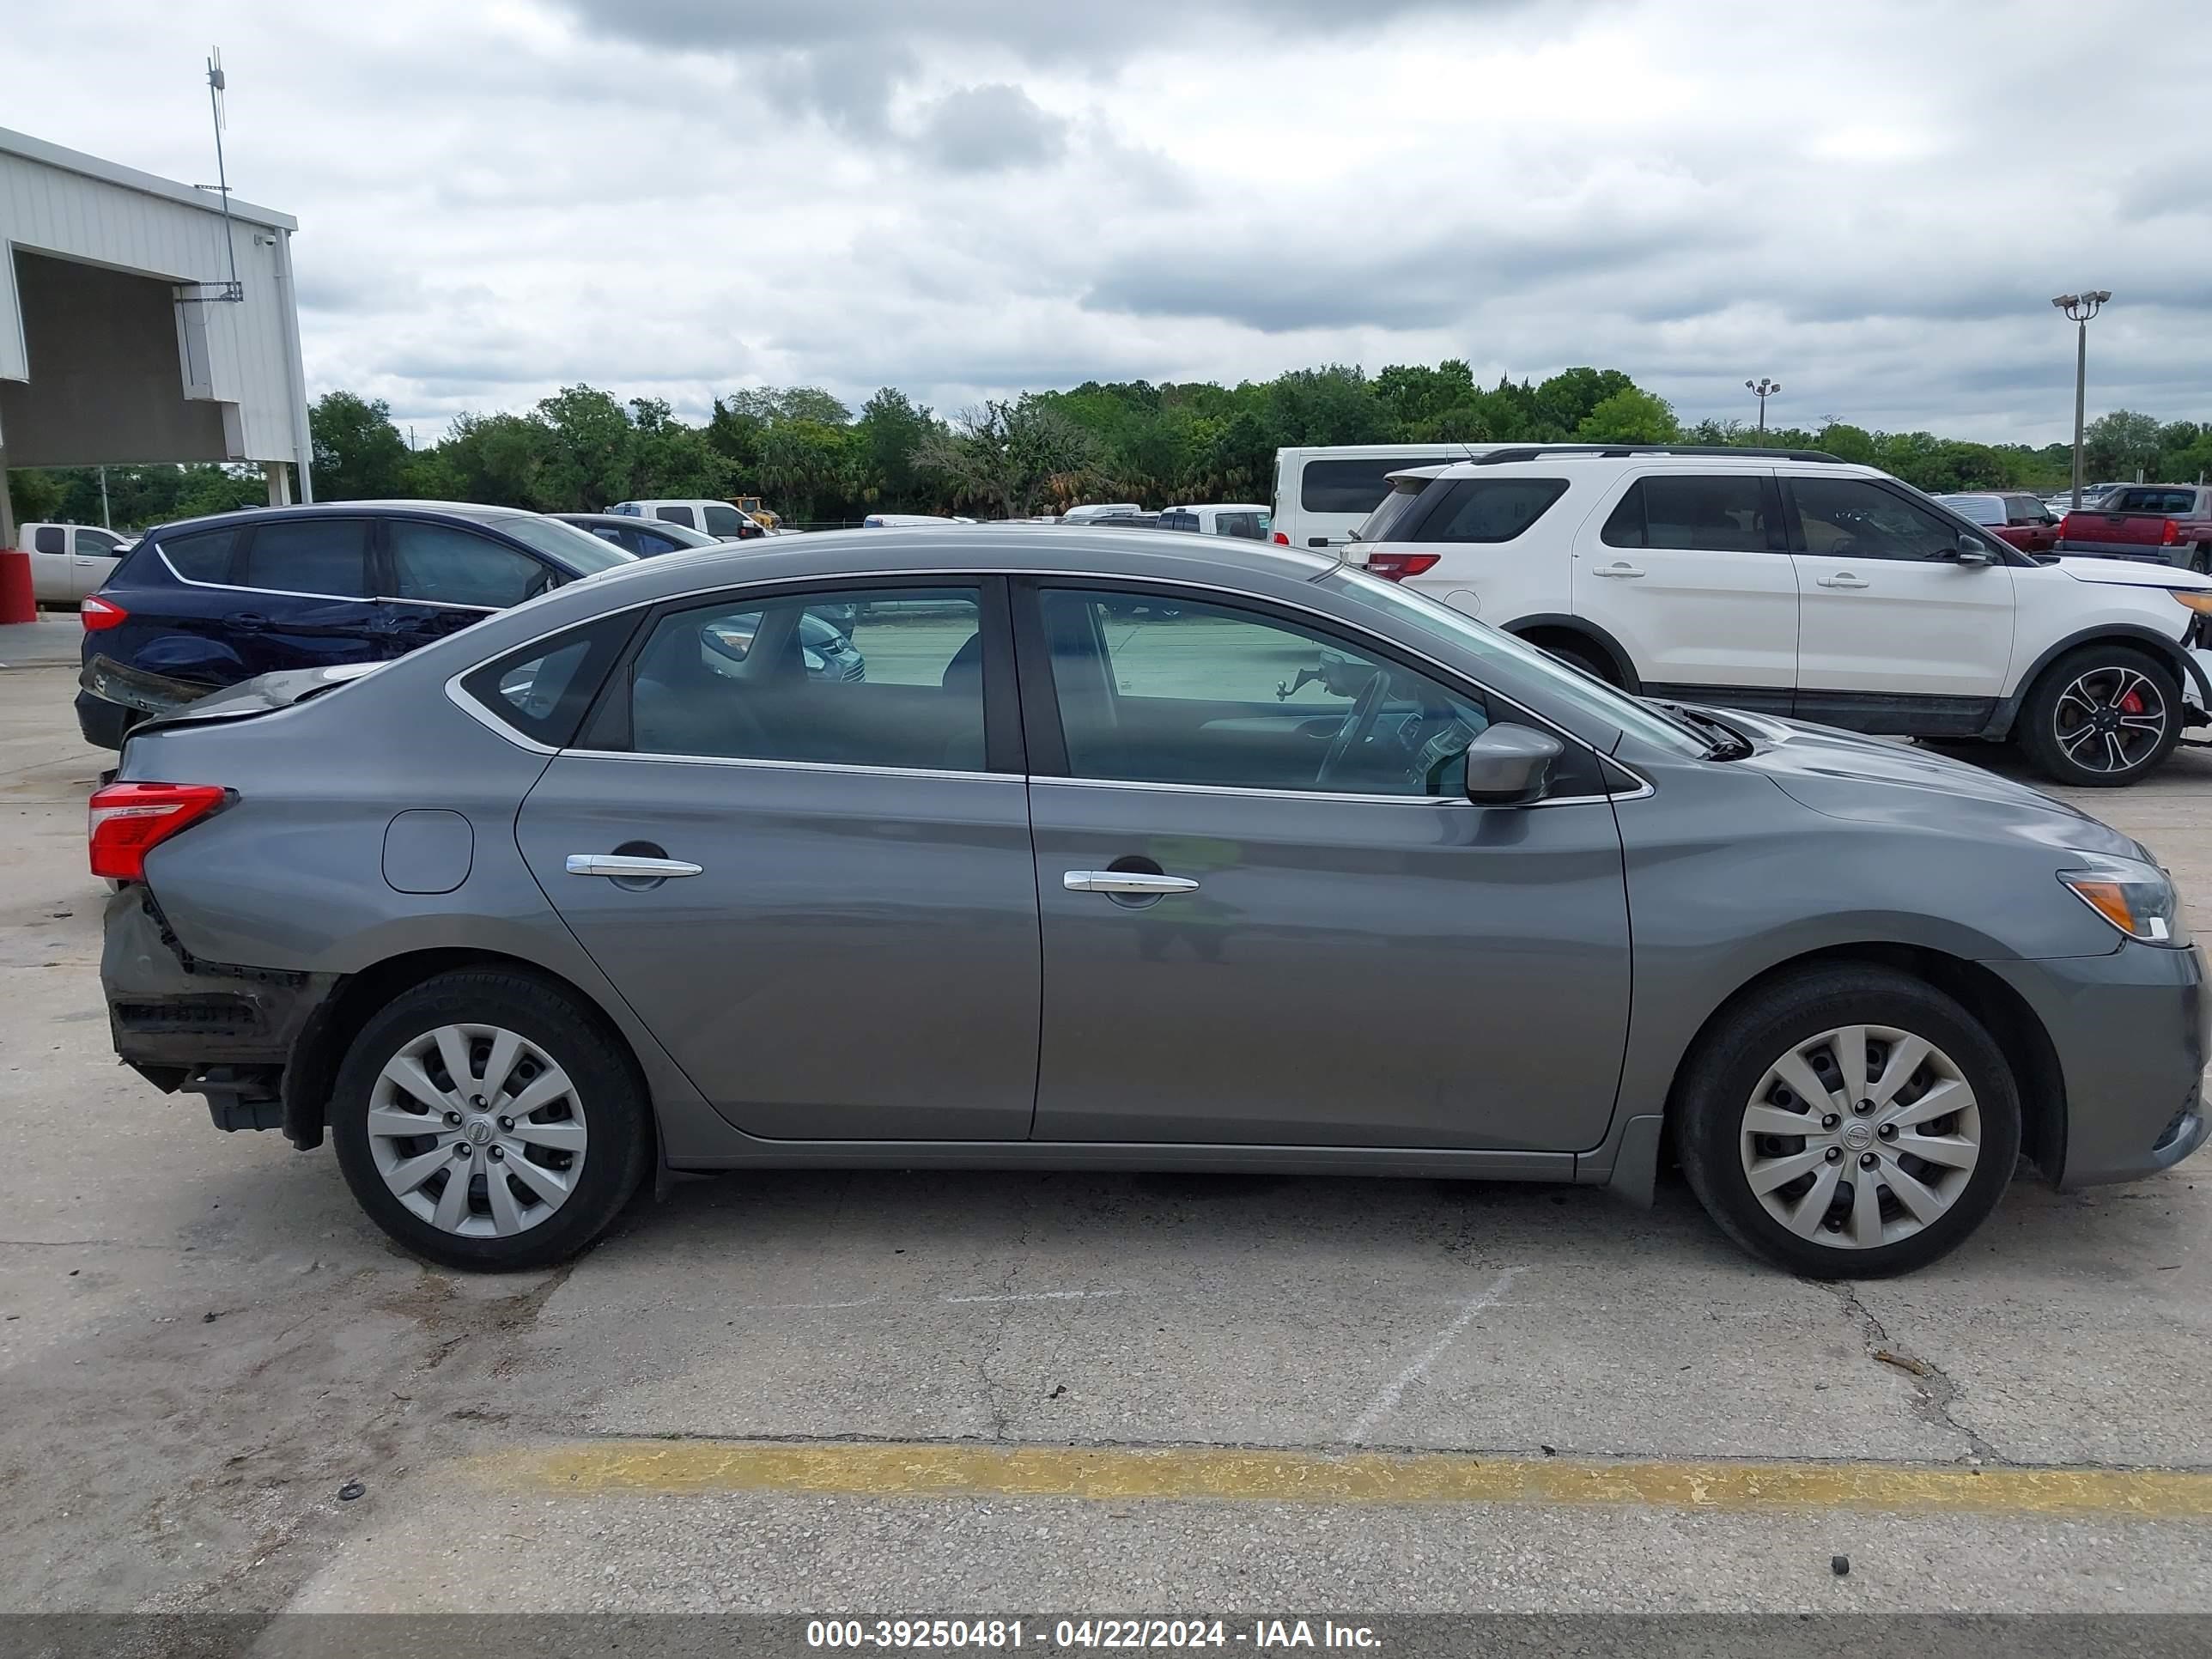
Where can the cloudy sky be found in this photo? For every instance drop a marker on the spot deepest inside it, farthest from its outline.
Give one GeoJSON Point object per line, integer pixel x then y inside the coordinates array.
{"type": "Point", "coordinates": [1871, 201]}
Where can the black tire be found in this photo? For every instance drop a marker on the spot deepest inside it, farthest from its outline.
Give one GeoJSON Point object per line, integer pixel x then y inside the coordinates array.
{"type": "Point", "coordinates": [2049, 720]}
{"type": "Point", "coordinates": [1589, 659]}
{"type": "Point", "coordinates": [607, 1095]}
{"type": "Point", "coordinates": [1717, 1084]}
{"type": "Point", "coordinates": [2200, 559]}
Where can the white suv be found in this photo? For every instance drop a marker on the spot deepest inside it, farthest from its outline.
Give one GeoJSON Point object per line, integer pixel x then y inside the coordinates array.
{"type": "Point", "coordinates": [1788, 582]}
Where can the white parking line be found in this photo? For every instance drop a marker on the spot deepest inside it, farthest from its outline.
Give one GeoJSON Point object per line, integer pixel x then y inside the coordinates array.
{"type": "Point", "coordinates": [1387, 1402]}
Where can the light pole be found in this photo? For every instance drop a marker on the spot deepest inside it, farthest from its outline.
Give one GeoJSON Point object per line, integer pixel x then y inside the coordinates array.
{"type": "Point", "coordinates": [1762, 388]}
{"type": "Point", "coordinates": [2079, 309]}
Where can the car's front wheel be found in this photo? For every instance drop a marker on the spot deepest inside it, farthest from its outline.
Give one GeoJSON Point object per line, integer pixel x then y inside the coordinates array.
{"type": "Point", "coordinates": [1849, 1122]}
{"type": "Point", "coordinates": [2102, 716]}
{"type": "Point", "coordinates": [487, 1120]}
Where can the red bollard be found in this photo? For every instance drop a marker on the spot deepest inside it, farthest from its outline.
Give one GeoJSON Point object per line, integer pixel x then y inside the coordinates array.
{"type": "Point", "coordinates": [17, 603]}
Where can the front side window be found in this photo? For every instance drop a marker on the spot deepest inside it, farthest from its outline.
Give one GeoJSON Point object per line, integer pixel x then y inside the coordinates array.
{"type": "Point", "coordinates": [1351, 486]}
{"type": "Point", "coordinates": [676, 515]}
{"type": "Point", "coordinates": [723, 520]}
{"type": "Point", "coordinates": [1489, 509]}
{"type": "Point", "coordinates": [319, 556]}
{"type": "Point", "coordinates": [441, 565]}
{"type": "Point", "coordinates": [1157, 690]}
{"type": "Point", "coordinates": [885, 677]}
{"type": "Point", "coordinates": [96, 541]}
{"type": "Point", "coordinates": [1852, 518]}
{"type": "Point", "coordinates": [1723, 514]}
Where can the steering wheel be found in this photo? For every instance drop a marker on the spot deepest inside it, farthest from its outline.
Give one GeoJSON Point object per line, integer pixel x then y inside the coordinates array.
{"type": "Point", "coordinates": [1358, 726]}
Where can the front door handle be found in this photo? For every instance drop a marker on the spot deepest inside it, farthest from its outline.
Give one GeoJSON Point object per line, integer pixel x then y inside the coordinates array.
{"type": "Point", "coordinates": [1843, 578]}
{"type": "Point", "coordinates": [620, 865]}
{"type": "Point", "coordinates": [1124, 881]}
{"type": "Point", "coordinates": [1317, 541]}
{"type": "Point", "coordinates": [1619, 569]}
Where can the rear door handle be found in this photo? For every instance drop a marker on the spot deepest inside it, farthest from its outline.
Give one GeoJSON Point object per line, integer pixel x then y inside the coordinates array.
{"type": "Point", "coordinates": [248, 620]}
{"type": "Point", "coordinates": [1843, 578]}
{"type": "Point", "coordinates": [1619, 569]}
{"type": "Point", "coordinates": [1121, 881]}
{"type": "Point", "coordinates": [621, 864]}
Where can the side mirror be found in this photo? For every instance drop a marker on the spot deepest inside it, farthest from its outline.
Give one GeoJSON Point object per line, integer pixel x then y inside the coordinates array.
{"type": "Point", "coordinates": [1509, 765]}
{"type": "Point", "coordinates": [1974, 554]}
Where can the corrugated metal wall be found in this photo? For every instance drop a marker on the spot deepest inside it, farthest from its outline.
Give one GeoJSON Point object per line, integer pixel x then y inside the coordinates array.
{"type": "Point", "coordinates": [48, 208]}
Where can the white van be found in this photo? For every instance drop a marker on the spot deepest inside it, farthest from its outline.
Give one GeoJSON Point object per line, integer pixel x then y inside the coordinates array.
{"type": "Point", "coordinates": [1321, 494]}
{"type": "Point", "coordinates": [716, 519]}
{"type": "Point", "coordinates": [1247, 520]}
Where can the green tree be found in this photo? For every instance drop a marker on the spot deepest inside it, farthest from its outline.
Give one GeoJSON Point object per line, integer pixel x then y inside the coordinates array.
{"type": "Point", "coordinates": [668, 458]}
{"type": "Point", "coordinates": [1629, 415]}
{"type": "Point", "coordinates": [359, 453]}
{"type": "Point", "coordinates": [1010, 456]}
{"type": "Point", "coordinates": [590, 450]}
{"type": "Point", "coordinates": [891, 428]}
{"type": "Point", "coordinates": [2115, 446]}
{"type": "Point", "coordinates": [1846, 443]}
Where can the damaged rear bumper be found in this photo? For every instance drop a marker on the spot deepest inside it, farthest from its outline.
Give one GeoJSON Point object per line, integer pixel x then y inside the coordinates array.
{"type": "Point", "coordinates": [207, 1028]}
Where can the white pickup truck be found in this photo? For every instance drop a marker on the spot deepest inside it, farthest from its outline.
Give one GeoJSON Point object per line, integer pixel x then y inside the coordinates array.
{"type": "Point", "coordinates": [69, 560]}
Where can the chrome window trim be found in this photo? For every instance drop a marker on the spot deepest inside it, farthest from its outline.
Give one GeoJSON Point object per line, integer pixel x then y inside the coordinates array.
{"type": "Point", "coordinates": [973, 570]}
{"type": "Point", "coordinates": [1337, 795]}
{"type": "Point", "coordinates": [162, 554]}
{"type": "Point", "coordinates": [476, 711]}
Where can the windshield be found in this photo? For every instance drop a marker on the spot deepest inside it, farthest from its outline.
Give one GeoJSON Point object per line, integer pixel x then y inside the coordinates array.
{"type": "Point", "coordinates": [1631, 715]}
{"type": "Point", "coordinates": [579, 549]}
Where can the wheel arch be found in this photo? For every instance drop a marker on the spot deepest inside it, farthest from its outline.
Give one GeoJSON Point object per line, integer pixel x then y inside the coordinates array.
{"type": "Point", "coordinates": [2011, 1024]}
{"type": "Point", "coordinates": [2166, 651]}
{"type": "Point", "coordinates": [1582, 631]}
{"type": "Point", "coordinates": [312, 1070]}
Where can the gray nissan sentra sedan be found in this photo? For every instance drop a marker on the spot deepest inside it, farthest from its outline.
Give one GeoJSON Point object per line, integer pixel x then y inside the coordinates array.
{"type": "Point", "coordinates": [1129, 852]}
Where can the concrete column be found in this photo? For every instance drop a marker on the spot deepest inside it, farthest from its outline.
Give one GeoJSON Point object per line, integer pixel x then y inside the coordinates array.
{"type": "Point", "coordinates": [7, 506]}
{"type": "Point", "coordinates": [280, 483]}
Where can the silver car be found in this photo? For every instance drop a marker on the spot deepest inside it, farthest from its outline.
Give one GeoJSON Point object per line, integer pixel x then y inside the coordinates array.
{"type": "Point", "coordinates": [1130, 852]}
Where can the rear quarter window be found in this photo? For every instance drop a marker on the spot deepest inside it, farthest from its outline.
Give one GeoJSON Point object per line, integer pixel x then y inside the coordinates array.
{"type": "Point", "coordinates": [203, 556]}
{"type": "Point", "coordinates": [542, 689]}
{"type": "Point", "coordinates": [1490, 509]}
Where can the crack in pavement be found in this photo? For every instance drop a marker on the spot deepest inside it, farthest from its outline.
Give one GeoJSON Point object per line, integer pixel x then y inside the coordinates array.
{"type": "Point", "coordinates": [1935, 1391]}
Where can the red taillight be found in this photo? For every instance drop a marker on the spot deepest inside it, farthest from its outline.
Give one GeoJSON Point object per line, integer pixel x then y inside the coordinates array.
{"type": "Point", "coordinates": [128, 820]}
{"type": "Point", "coordinates": [97, 613]}
{"type": "Point", "coordinates": [2170, 535]}
{"type": "Point", "coordinates": [1282, 538]}
{"type": "Point", "coordinates": [1396, 567]}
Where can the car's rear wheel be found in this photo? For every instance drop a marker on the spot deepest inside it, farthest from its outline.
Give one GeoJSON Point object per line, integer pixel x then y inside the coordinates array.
{"type": "Point", "coordinates": [1576, 655]}
{"type": "Point", "coordinates": [1849, 1122]}
{"type": "Point", "coordinates": [487, 1120]}
{"type": "Point", "coordinates": [2101, 717]}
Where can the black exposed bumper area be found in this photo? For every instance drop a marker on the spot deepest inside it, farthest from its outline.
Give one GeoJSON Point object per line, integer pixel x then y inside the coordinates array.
{"type": "Point", "coordinates": [114, 697]}
{"type": "Point", "coordinates": [206, 1028]}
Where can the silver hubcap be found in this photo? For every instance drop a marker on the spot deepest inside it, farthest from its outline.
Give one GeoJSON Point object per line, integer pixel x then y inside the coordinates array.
{"type": "Point", "coordinates": [1861, 1136]}
{"type": "Point", "coordinates": [477, 1130]}
{"type": "Point", "coordinates": [2110, 719]}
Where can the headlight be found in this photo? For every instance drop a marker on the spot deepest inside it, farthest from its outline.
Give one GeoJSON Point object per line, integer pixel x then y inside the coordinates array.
{"type": "Point", "coordinates": [2200, 602]}
{"type": "Point", "coordinates": [2138, 899]}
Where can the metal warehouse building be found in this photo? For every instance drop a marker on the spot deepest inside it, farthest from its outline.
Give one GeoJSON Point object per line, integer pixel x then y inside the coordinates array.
{"type": "Point", "coordinates": [138, 323]}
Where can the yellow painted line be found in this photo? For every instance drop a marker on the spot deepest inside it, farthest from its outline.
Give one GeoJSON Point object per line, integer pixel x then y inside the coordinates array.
{"type": "Point", "coordinates": [1127, 1475]}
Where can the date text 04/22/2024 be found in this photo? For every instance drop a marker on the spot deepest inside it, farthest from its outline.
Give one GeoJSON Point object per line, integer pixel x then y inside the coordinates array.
{"type": "Point", "coordinates": [1110, 1634]}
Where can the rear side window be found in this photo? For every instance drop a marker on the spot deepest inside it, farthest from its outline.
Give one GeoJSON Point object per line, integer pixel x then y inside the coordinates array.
{"type": "Point", "coordinates": [676, 515]}
{"type": "Point", "coordinates": [318, 556]}
{"type": "Point", "coordinates": [1179, 521]}
{"type": "Point", "coordinates": [543, 689]}
{"type": "Point", "coordinates": [205, 557]}
{"type": "Point", "coordinates": [441, 565]}
{"type": "Point", "coordinates": [48, 538]}
{"type": "Point", "coordinates": [1406, 504]}
{"type": "Point", "coordinates": [721, 520]}
{"type": "Point", "coordinates": [1489, 509]}
{"type": "Point", "coordinates": [1982, 509]}
{"type": "Point", "coordinates": [1350, 486]}
{"type": "Point", "coordinates": [1727, 514]}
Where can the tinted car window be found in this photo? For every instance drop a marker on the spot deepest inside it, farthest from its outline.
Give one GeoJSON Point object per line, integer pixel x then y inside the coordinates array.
{"type": "Point", "coordinates": [1406, 504]}
{"type": "Point", "coordinates": [309, 556]}
{"type": "Point", "coordinates": [203, 557]}
{"type": "Point", "coordinates": [1852, 519]}
{"type": "Point", "coordinates": [747, 681]}
{"type": "Point", "coordinates": [1489, 509]}
{"type": "Point", "coordinates": [1157, 691]}
{"type": "Point", "coordinates": [1717, 514]}
{"type": "Point", "coordinates": [576, 549]}
{"type": "Point", "coordinates": [1179, 521]}
{"type": "Point", "coordinates": [442, 565]}
{"type": "Point", "coordinates": [542, 689]}
{"type": "Point", "coordinates": [1982, 509]}
{"type": "Point", "coordinates": [1351, 486]}
{"type": "Point", "coordinates": [676, 515]}
{"type": "Point", "coordinates": [723, 520]}
{"type": "Point", "coordinates": [49, 538]}
{"type": "Point", "coordinates": [97, 541]}
{"type": "Point", "coordinates": [1243, 525]}
{"type": "Point", "coordinates": [647, 542]}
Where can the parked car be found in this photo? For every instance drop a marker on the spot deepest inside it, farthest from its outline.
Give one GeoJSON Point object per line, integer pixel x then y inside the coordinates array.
{"type": "Point", "coordinates": [207, 602]}
{"type": "Point", "coordinates": [1322, 494]}
{"type": "Point", "coordinates": [644, 537]}
{"type": "Point", "coordinates": [2010, 515]}
{"type": "Point", "coordinates": [1124, 521]}
{"type": "Point", "coordinates": [471, 915]}
{"type": "Point", "coordinates": [1245, 519]}
{"type": "Point", "coordinates": [718, 519]}
{"type": "Point", "coordinates": [1787, 582]}
{"type": "Point", "coordinates": [69, 560]}
{"type": "Point", "coordinates": [2169, 522]}
{"type": "Point", "coordinates": [1092, 510]}
{"type": "Point", "coordinates": [907, 520]}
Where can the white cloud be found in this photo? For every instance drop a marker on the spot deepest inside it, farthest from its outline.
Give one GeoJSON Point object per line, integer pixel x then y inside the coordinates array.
{"type": "Point", "coordinates": [674, 198]}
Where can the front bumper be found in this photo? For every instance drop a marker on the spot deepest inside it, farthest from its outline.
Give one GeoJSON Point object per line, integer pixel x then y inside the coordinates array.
{"type": "Point", "coordinates": [207, 1028]}
{"type": "Point", "coordinates": [2132, 1031]}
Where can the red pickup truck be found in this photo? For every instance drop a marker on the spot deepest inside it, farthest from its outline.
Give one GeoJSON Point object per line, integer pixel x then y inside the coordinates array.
{"type": "Point", "coordinates": [2173, 522]}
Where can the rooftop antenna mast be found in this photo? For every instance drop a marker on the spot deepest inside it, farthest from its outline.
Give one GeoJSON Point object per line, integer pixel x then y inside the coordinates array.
{"type": "Point", "coordinates": [233, 291]}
